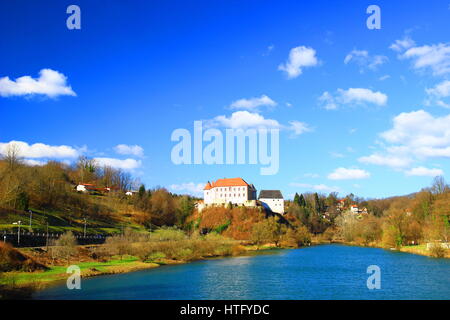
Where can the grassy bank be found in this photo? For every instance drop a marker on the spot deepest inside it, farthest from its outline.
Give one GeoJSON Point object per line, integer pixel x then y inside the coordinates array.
{"type": "Point", "coordinates": [420, 249]}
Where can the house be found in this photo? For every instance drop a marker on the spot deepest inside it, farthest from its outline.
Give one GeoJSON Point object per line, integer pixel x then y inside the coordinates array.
{"type": "Point", "coordinates": [354, 208]}
{"type": "Point", "coordinates": [341, 204]}
{"type": "Point", "coordinates": [272, 200]}
{"type": "Point", "coordinates": [87, 187]}
{"type": "Point", "coordinates": [234, 190]}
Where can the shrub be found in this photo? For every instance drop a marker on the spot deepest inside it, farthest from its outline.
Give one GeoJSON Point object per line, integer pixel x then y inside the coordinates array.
{"type": "Point", "coordinates": [65, 246]}
{"type": "Point", "coordinates": [437, 250]}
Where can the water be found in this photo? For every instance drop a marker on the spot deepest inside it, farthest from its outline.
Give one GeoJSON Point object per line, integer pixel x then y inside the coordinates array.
{"type": "Point", "coordinates": [320, 272]}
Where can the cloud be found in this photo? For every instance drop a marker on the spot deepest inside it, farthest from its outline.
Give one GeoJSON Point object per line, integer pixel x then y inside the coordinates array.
{"type": "Point", "coordinates": [311, 175]}
{"type": "Point", "coordinates": [364, 60]}
{"type": "Point", "coordinates": [420, 134]}
{"type": "Point", "coordinates": [352, 97]}
{"type": "Point", "coordinates": [424, 172]}
{"type": "Point", "coordinates": [435, 57]}
{"type": "Point", "coordinates": [414, 136]}
{"type": "Point", "coordinates": [336, 155]}
{"type": "Point", "coordinates": [126, 164]}
{"type": "Point", "coordinates": [298, 127]}
{"type": "Point", "coordinates": [386, 160]}
{"type": "Point", "coordinates": [436, 94]}
{"type": "Point", "coordinates": [134, 150]}
{"type": "Point", "coordinates": [299, 58]}
{"type": "Point", "coordinates": [40, 150]}
{"type": "Point", "coordinates": [33, 163]}
{"type": "Point", "coordinates": [50, 83]}
{"type": "Point", "coordinates": [316, 187]}
{"type": "Point", "coordinates": [245, 120]}
{"type": "Point", "coordinates": [253, 103]}
{"type": "Point", "coordinates": [348, 174]}
{"type": "Point", "coordinates": [249, 120]}
{"type": "Point", "coordinates": [403, 44]}
{"type": "Point", "coordinates": [190, 187]}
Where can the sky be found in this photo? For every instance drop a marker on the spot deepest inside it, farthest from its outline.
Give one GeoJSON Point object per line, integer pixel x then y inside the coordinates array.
{"type": "Point", "coordinates": [359, 110]}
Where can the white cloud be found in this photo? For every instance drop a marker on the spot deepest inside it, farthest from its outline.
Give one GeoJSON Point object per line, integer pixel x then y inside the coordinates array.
{"type": "Point", "coordinates": [348, 174]}
{"type": "Point", "coordinates": [190, 187]}
{"type": "Point", "coordinates": [40, 150]}
{"type": "Point", "coordinates": [249, 120]}
{"type": "Point", "coordinates": [311, 175]}
{"type": "Point", "coordinates": [424, 172]}
{"type": "Point", "coordinates": [403, 44]}
{"type": "Point", "coordinates": [352, 97]}
{"type": "Point", "coordinates": [336, 155]}
{"type": "Point", "coordinates": [133, 150]}
{"type": "Point", "coordinates": [253, 103]}
{"type": "Point", "coordinates": [420, 133]}
{"type": "Point", "coordinates": [415, 136]}
{"type": "Point", "coordinates": [385, 77]}
{"type": "Point", "coordinates": [364, 60]}
{"type": "Point", "coordinates": [299, 58]}
{"type": "Point", "coordinates": [298, 127]}
{"type": "Point", "coordinates": [436, 94]}
{"type": "Point", "coordinates": [386, 160]}
{"type": "Point", "coordinates": [244, 120]}
{"type": "Point", "coordinates": [50, 83]}
{"type": "Point", "coordinates": [32, 162]}
{"type": "Point", "coordinates": [435, 57]}
{"type": "Point", "coordinates": [316, 187]}
{"type": "Point", "coordinates": [126, 164]}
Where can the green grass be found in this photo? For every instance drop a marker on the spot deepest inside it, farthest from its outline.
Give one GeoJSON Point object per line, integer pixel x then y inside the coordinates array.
{"type": "Point", "coordinates": [60, 223]}
{"type": "Point", "coordinates": [59, 272]}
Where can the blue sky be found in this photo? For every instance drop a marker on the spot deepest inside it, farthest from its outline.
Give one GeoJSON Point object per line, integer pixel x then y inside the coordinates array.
{"type": "Point", "coordinates": [374, 104]}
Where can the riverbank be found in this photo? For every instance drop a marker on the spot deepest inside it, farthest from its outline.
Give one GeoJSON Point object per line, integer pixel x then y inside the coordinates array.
{"type": "Point", "coordinates": [21, 284]}
{"type": "Point", "coordinates": [420, 249]}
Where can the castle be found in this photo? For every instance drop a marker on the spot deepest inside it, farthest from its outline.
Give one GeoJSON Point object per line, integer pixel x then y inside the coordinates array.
{"type": "Point", "coordinates": [238, 192]}
{"type": "Point", "coordinates": [234, 190]}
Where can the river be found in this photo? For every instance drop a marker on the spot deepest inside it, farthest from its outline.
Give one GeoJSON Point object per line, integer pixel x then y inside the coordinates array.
{"type": "Point", "coordinates": [318, 272]}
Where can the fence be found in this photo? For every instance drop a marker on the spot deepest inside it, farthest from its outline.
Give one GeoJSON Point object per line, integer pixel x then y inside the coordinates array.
{"type": "Point", "coordinates": [39, 239]}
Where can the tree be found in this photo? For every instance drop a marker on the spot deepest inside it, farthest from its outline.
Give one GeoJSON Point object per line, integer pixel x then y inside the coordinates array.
{"type": "Point", "coordinates": [12, 156]}
{"type": "Point", "coordinates": [141, 192]}
{"type": "Point", "coordinates": [439, 186]}
{"type": "Point", "coordinates": [65, 246]}
{"type": "Point", "coordinates": [268, 231]}
{"type": "Point", "coordinates": [297, 198]}
{"type": "Point", "coordinates": [302, 201]}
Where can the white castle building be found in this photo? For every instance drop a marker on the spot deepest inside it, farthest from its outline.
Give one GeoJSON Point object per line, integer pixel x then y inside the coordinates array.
{"type": "Point", "coordinates": [234, 190]}
{"type": "Point", "coordinates": [272, 200]}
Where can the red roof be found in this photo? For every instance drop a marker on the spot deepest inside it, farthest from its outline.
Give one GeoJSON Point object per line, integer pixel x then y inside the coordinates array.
{"type": "Point", "coordinates": [231, 182]}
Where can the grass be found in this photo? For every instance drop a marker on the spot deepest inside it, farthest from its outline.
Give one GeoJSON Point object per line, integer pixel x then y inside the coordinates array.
{"type": "Point", "coordinates": [88, 269]}
{"type": "Point", "coordinates": [59, 223]}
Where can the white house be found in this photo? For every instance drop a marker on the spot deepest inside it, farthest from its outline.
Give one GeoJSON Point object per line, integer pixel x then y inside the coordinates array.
{"type": "Point", "coordinates": [272, 200]}
{"type": "Point", "coordinates": [234, 190]}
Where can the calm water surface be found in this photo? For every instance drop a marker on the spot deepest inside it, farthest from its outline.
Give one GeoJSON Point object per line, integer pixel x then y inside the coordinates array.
{"type": "Point", "coordinates": [320, 272]}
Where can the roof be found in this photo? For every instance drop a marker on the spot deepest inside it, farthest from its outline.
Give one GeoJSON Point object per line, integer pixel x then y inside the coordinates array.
{"type": "Point", "coordinates": [231, 182]}
{"type": "Point", "coordinates": [270, 194]}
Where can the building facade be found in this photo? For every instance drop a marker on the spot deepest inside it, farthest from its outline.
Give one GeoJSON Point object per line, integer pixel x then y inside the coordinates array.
{"type": "Point", "coordinates": [234, 190]}
{"type": "Point", "coordinates": [272, 200]}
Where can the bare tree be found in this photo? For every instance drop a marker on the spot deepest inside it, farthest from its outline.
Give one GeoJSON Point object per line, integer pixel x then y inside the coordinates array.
{"type": "Point", "coordinates": [12, 156]}
{"type": "Point", "coordinates": [439, 186]}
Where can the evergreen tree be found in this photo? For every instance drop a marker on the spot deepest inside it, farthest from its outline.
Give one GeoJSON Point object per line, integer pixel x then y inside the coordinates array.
{"type": "Point", "coordinates": [142, 191]}
{"type": "Point", "coordinates": [302, 201]}
{"type": "Point", "coordinates": [297, 198]}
